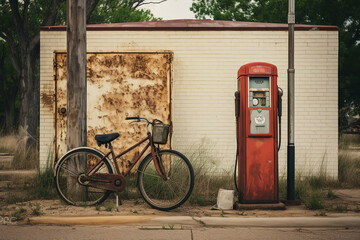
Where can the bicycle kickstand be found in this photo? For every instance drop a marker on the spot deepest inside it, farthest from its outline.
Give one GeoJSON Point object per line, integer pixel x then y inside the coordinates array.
{"type": "Point", "coordinates": [117, 201]}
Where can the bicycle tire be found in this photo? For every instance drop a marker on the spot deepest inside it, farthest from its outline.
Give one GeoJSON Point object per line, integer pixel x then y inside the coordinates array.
{"type": "Point", "coordinates": [166, 194]}
{"type": "Point", "coordinates": [65, 177]}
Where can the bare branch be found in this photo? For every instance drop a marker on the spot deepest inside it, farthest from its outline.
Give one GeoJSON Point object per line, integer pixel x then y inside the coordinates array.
{"type": "Point", "coordinates": [158, 2]}
{"type": "Point", "coordinates": [137, 3]}
{"type": "Point", "coordinates": [49, 20]}
{"type": "Point", "coordinates": [25, 16]}
{"type": "Point", "coordinates": [90, 6]}
{"type": "Point", "coordinates": [13, 49]}
{"type": "Point", "coordinates": [14, 5]}
{"type": "Point", "coordinates": [34, 41]}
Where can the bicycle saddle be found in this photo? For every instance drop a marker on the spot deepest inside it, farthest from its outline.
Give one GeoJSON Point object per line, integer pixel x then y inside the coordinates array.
{"type": "Point", "coordinates": [106, 138]}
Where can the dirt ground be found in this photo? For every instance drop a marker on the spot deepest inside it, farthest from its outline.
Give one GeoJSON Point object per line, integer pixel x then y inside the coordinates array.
{"type": "Point", "coordinates": [346, 203]}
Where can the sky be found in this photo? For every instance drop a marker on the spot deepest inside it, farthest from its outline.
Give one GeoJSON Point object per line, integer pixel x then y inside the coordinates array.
{"type": "Point", "coordinates": [172, 9]}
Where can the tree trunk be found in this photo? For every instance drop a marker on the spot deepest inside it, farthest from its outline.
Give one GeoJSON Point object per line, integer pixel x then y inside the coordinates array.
{"type": "Point", "coordinates": [10, 117]}
{"type": "Point", "coordinates": [29, 99]}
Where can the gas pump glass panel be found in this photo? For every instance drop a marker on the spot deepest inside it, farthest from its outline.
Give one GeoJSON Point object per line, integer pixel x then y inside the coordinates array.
{"type": "Point", "coordinates": [259, 98]}
{"type": "Point", "coordinates": [259, 91]}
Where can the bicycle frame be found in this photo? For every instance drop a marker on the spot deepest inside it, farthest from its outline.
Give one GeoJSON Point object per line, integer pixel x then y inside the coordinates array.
{"type": "Point", "coordinates": [134, 161]}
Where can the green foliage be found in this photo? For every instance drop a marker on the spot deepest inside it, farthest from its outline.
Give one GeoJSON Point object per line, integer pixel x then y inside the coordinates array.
{"type": "Point", "coordinates": [114, 11]}
{"type": "Point", "coordinates": [222, 9]}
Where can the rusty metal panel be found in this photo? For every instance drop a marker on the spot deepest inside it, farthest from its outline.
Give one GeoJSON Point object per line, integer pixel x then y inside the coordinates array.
{"type": "Point", "coordinates": [119, 85]}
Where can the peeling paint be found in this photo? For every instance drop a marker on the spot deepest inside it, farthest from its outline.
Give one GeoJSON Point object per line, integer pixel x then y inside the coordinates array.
{"type": "Point", "coordinates": [119, 85]}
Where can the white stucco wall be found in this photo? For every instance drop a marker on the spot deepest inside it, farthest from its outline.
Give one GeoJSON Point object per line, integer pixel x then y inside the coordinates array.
{"type": "Point", "coordinates": [205, 79]}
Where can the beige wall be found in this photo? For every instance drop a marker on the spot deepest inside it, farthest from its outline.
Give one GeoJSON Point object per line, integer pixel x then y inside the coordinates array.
{"type": "Point", "coordinates": [204, 81]}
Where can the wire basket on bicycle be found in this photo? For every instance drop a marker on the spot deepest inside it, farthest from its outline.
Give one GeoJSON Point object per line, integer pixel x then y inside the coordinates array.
{"type": "Point", "coordinates": [160, 132]}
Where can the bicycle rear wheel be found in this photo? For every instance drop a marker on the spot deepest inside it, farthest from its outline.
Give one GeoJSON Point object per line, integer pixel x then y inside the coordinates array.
{"type": "Point", "coordinates": [68, 174]}
{"type": "Point", "coordinates": [166, 194]}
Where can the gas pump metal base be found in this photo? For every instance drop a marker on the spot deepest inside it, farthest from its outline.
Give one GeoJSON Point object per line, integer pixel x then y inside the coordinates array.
{"type": "Point", "coordinates": [261, 206]}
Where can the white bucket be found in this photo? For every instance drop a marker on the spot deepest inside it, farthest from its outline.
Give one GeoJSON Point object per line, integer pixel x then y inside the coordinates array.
{"type": "Point", "coordinates": [225, 199]}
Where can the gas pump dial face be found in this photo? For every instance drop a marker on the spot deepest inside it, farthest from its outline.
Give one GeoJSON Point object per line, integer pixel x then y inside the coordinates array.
{"type": "Point", "coordinates": [259, 119]}
{"type": "Point", "coordinates": [255, 102]}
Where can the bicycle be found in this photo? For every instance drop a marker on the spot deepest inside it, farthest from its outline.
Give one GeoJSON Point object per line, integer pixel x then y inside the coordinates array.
{"type": "Point", "coordinates": [86, 176]}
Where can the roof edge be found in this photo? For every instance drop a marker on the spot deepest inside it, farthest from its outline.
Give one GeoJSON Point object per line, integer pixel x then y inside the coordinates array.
{"type": "Point", "coordinates": [195, 25]}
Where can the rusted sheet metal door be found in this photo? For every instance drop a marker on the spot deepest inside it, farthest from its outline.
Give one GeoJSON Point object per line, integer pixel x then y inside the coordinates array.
{"type": "Point", "coordinates": [119, 85]}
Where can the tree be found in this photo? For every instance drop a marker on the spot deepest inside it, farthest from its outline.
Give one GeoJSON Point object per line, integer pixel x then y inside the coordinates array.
{"type": "Point", "coordinates": [344, 14]}
{"type": "Point", "coordinates": [8, 89]}
{"type": "Point", "coordinates": [112, 11]}
{"type": "Point", "coordinates": [233, 10]}
{"type": "Point", "coordinates": [19, 28]}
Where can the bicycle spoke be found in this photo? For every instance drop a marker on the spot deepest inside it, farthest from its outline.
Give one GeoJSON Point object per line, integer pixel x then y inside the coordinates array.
{"type": "Point", "coordinates": [172, 192]}
{"type": "Point", "coordinates": [67, 183]}
{"type": "Point", "coordinates": [66, 169]}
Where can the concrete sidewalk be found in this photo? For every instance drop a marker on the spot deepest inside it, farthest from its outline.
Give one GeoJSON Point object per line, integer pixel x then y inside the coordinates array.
{"type": "Point", "coordinates": [187, 221]}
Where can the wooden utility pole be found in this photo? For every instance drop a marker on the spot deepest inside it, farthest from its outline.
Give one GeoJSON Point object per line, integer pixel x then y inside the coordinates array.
{"type": "Point", "coordinates": [76, 86]}
{"type": "Point", "coordinates": [76, 73]}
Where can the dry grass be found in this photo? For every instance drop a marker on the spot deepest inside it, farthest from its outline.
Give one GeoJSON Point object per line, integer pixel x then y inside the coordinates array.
{"type": "Point", "coordinates": [25, 157]}
{"type": "Point", "coordinates": [349, 161]}
{"type": "Point", "coordinates": [8, 143]}
{"type": "Point", "coordinates": [208, 179]}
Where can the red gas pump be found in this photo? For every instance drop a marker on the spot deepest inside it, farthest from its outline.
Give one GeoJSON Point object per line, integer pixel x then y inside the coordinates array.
{"type": "Point", "coordinates": [258, 114]}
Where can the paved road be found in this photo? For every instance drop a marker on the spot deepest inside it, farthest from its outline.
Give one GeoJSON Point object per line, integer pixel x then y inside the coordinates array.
{"type": "Point", "coordinates": [134, 232]}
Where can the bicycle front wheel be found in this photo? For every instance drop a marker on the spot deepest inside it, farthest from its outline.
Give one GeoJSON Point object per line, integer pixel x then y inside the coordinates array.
{"type": "Point", "coordinates": [175, 190]}
{"type": "Point", "coordinates": [69, 172]}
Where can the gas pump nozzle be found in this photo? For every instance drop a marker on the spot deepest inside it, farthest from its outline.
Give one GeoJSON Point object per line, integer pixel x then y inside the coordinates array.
{"type": "Point", "coordinates": [280, 93]}
{"type": "Point", "coordinates": [237, 104]}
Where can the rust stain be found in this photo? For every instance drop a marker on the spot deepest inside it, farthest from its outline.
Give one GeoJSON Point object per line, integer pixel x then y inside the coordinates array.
{"type": "Point", "coordinates": [47, 99]}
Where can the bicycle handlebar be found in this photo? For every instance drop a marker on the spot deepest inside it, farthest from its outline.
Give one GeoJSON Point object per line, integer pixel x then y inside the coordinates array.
{"type": "Point", "coordinates": [138, 119]}
{"type": "Point", "coordinates": [132, 118]}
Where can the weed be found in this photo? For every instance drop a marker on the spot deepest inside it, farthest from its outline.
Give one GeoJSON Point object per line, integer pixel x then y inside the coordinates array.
{"type": "Point", "coordinates": [97, 207]}
{"type": "Point", "coordinates": [222, 213]}
{"type": "Point", "coordinates": [109, 207]}
{"type": "Point", "coordinates": [168, 227]}
{"type": "Point", "coordinates": [19, 214]}
{"type": "Point", "coordinates": [341, 208]}
{"type": "Point", "coordinates": [14, 199]}
{"type": "Point", "coordinates": [134, 211]}
{"type": "Point", "coordinates": [200, 200]}
{"type": "Point", "coordinates": [43, 186]}
{"type": "Point", "coordinates": [315, 201]}
{"type": "Point", "coordinates": [36, 210]}
{"type": "Point", "coordinates": [331, 194]}
{"type": "Point", "coordinates": [82, 204]}
{"type": "Point", "coordinates": [321, 214]}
